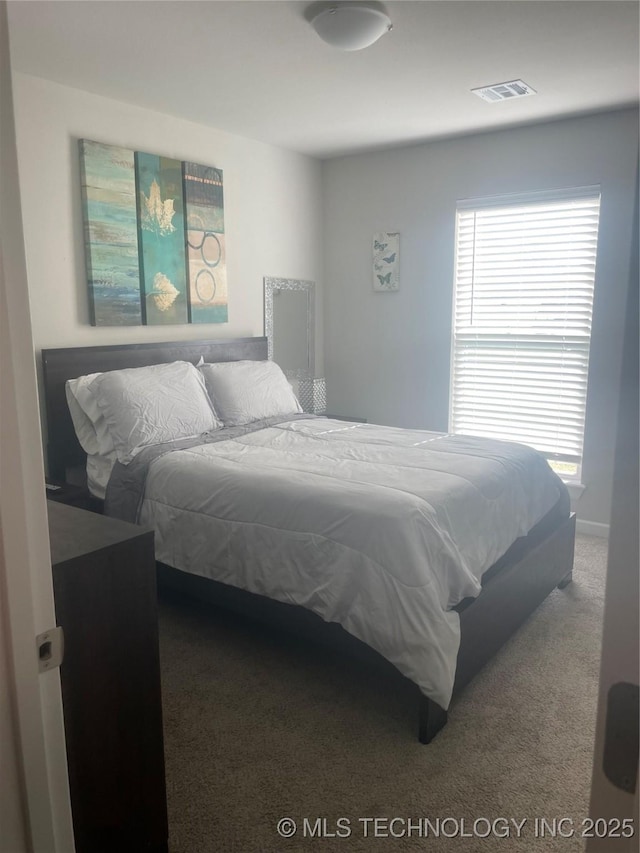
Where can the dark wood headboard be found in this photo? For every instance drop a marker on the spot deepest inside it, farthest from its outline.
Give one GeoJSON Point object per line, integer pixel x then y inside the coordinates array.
{"type": "Point", "coordinates": [63, 449]}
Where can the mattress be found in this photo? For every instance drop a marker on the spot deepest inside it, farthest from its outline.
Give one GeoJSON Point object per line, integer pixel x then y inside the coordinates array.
{"type": "Point", "coordinates": [382, 530]}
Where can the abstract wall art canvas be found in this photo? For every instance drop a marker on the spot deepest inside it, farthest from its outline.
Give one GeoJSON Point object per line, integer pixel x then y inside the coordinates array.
{"type": "Point", "coordinates": [154, 238]}
{"type": "Point", "coordinates": [111, 234]}
{"type": "Point", "coordinates": [386, 261]}
{"type": "Point", "coordinates": [206, 257]}
{"type": "Point", "coordinates": [161, 237]}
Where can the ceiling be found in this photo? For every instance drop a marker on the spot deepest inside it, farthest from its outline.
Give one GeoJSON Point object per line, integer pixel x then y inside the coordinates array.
{"type": "Point", "coordinates": [256, 68]}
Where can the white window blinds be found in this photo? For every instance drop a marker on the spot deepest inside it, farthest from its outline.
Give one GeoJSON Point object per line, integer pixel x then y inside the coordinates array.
{"type": "Point", "coordinates": [522, 319]}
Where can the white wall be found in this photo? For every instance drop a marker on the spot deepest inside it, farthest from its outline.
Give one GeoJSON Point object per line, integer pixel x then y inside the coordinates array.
{"type": "Point", "coordinates": [387, 354]}
{"type": "Point", "coordinates": [620, 660]}
{"type": "Point", "coordinates": [33, 763]}
{"type": "Point", "coordinates": [272, 210]}
{"type": "Point", "coordinates": [13, 823]}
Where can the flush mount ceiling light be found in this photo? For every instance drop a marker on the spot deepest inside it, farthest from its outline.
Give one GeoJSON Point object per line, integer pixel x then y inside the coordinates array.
{"type": "Point", "coordinates": [349, 25]}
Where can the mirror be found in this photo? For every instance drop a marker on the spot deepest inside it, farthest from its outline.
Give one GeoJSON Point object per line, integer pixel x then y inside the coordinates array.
{"type": "Point", "coordinates": [289, 324]}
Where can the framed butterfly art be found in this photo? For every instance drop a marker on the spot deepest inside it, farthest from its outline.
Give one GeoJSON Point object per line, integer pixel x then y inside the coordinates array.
{"type": "Point", "coordinates": [386, 261]}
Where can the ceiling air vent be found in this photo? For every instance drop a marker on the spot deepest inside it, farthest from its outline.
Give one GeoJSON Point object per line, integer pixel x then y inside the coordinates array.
{"type": "Point", "coordinates": [504, 91]}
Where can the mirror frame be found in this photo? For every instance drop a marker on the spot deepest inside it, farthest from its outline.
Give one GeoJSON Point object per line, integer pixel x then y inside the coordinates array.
{"type": "Point", "coordinates": [271, 285]}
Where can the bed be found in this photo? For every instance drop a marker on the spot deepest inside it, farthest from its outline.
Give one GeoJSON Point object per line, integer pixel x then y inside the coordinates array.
{"type": "Point", "coordinates": [348, 471]}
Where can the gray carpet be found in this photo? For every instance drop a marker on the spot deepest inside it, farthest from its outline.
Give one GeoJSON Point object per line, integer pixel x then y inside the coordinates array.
{"type": "Point", "coordinates": [258, 728]}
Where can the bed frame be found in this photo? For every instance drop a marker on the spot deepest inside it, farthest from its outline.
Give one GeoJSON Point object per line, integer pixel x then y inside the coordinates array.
{"type": "Point", "coordinates": [511, 589]}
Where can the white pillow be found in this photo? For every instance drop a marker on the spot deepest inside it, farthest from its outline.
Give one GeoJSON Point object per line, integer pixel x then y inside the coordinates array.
{"type": "Point", "coordinates": [152, 405]}
{"type": "Point", "coordinates": [88, 420]}
{"type": "Point", "coordinates": [245, 391]}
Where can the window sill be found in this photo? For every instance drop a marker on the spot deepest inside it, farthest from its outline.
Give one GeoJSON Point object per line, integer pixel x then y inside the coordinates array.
{"type": "Point", "coordinates": [575, 489]}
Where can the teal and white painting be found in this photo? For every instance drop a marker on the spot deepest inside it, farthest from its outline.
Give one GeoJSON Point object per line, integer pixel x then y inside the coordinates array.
{"type": "Point", "coordinates": [386, 261]}
{"type": "Point", "coordinates": [206, 251]}
{"type": "Point", "coordinates": [107, 178]}
{"type": "Point", "coordinates": [161, 237]}
{"type": "Point", "coordinates": [154, 238]}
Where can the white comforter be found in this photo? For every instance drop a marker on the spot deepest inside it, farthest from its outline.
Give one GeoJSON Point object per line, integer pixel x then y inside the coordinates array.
{"type": "Point", "coordinates": [380, 529]}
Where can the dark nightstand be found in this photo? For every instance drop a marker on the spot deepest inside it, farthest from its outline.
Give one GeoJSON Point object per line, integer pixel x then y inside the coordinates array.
{"type": "Point", "coordinates": [104, 584]}
{"type": "Point", "coordinates": [71, 495]}
{"type": "Point", "coordinates": [66, 493]}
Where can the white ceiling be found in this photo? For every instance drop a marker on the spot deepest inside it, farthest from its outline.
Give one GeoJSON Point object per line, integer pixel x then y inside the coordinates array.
{"type": "Point", "coordinates": [256, 67]}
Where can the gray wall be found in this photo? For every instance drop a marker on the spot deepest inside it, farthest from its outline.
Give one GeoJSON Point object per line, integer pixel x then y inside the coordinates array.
{"type": "Point", "coordinates": [388, 354]}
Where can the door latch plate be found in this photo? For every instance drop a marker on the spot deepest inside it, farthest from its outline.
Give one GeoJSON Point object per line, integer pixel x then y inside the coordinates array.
{"type": "Point", "coordinates": [50, 648]}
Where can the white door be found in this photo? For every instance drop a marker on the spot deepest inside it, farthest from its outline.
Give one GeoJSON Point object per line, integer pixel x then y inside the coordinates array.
{"type": "Point", "coordinates": [38, 799]}
{"type": "Point", "coordinates": [614, 791]}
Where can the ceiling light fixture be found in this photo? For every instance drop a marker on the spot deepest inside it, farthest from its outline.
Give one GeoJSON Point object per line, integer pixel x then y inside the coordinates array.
{"type": "Point", "coordinates": [349, 25]}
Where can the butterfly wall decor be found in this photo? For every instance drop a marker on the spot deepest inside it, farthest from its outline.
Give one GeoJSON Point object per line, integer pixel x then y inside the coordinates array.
{"type": "Point", "coordinates": [386, 255]}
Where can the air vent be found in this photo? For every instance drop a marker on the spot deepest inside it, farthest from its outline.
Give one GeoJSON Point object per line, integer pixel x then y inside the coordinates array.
{"type": "Point", "coordinates": [504, 91]}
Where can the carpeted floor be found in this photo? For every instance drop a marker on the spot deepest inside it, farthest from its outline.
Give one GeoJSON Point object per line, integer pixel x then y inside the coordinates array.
{"type": "Point", "coordinates": [259, 728]}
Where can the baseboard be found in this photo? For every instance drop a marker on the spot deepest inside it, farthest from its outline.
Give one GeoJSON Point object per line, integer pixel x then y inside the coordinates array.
{"type": "Point", "coordinates": [592, 528]}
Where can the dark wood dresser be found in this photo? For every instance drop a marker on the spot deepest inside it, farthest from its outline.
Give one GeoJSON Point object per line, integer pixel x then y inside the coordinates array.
{"type": "Point", "coordinates": [104, 583]}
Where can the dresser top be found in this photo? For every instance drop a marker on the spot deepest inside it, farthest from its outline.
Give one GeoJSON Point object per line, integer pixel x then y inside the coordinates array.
{"type": "Point", "coordinates": [74, 532]}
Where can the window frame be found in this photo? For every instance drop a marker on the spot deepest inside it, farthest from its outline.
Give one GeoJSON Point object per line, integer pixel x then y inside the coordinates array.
{"type": "Point", "coordinates": [515, 200]}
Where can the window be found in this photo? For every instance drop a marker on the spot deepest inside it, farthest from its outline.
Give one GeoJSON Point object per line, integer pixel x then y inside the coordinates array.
{"type": "Point", "coordinates": [524, 278]}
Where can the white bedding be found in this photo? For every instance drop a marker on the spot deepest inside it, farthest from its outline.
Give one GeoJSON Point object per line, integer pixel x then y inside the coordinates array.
{"type": "Point", "coordinates": [380, 529]}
